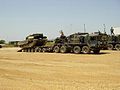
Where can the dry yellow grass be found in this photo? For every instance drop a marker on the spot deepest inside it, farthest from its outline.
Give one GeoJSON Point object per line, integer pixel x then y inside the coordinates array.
{"type": "Point", "coordinates": [51, 71]}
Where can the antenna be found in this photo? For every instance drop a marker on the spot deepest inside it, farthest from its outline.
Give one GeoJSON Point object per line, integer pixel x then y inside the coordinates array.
{"type": "Point", "coordinates": [84, 29]}
{"type": "Point", "coordinates": [71, 27]}
{"type": "Point", "coordinates": [104, 28]}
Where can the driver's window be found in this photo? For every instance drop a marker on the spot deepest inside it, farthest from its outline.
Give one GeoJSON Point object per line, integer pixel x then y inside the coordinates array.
{"type": "Point", "coordinates": [92, 38]}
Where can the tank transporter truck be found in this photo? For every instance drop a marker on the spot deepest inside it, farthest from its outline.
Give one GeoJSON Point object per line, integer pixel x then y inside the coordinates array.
{"type": "Point", "coordinates": [74, 43]}
{"type": "Point", "coordinates": [81, 43]}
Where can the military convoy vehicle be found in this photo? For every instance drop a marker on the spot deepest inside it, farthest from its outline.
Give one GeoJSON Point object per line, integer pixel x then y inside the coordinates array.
{"type": "Point", "coordinates": [74, 43]}
{"type": "Point", "coordinates": [114, 42]}
{"type": "Point", "coordinates": [85, 43]}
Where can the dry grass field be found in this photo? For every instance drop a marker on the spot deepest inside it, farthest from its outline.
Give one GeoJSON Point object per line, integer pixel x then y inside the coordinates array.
{"type": "Point", "coordinates": [55, 71]}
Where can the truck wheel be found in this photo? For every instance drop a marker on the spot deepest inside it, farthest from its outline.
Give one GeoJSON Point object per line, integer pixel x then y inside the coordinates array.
{"type": "Point", "coordinates": [85, 49]}
{"type": "Point", "coordinates": [117, 47]}
{"type": "Point", "coordinates": [77, 49]}
{"type": "Point", "coordinates": [110, 47]}
{"type": "Point", "coordinates": [96, 51]}
{"type": "Point", "coordinates": [63, 49]}
{"type": "Point", "coordinates": [56, 49]}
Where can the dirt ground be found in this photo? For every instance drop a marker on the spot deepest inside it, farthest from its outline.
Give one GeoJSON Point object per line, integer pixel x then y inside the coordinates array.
{"type": "Point", "coordinates": [55, 71]}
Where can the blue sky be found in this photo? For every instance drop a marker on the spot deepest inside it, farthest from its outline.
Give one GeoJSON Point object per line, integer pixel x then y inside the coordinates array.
{"type": "Point", "coordinates": [19, 18]}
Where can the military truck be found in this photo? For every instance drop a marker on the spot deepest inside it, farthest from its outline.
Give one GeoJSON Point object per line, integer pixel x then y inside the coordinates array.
{"type": "Point", "coordinates": [74, 43]}
{"type": "Point", "coordinates": [82, 43]}
{"type": "Point", "coordinates": [114, 42]}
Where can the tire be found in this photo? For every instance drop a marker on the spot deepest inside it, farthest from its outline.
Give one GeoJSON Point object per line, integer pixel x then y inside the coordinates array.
{"type": "Point", "coordinates": [117, 47]}
{"type": "Point", "coordinates": [63, 49]}
{"type": "Point", "coordinates": [96, 51]}
{"type": "Point", "coordinates": [85, 49]}
{"type": "Point", "coordinates": [110, 47]}
{"type": "Point", "coordinates": [56, 49]}
{"type": "Point", "coordinates": [76, 49]}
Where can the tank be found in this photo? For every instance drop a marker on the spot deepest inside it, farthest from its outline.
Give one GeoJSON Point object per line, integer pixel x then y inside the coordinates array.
{"type": "Point", "coordinates": [32, 41]}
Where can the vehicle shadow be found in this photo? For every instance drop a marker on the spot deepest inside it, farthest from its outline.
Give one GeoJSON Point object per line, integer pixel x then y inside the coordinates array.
{"type": "Point", "coordinates": [101, 53]}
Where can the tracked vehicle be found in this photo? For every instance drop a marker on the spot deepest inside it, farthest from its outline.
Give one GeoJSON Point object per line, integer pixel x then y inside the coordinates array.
{"type": "Point", "coordinates": [74, 43]}
{"type": "Point", "coordinates": [31, 42]}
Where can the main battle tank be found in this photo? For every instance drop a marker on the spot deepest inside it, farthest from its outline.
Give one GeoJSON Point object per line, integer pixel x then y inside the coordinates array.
{"type": "Point", "coordinates": [33, 41]}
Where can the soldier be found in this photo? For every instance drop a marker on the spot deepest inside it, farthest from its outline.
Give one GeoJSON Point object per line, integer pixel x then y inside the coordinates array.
{"type": "Point", "coordinates": [62, 34]}
{"type": "Point", "coordinates": [112, 31]}
{"type": "Point", "coordinates": [63, 37]}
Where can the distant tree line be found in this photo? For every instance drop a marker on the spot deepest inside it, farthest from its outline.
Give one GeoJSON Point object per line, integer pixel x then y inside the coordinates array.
{"type": "Point", "coordinates": [14, 43]}
{"type": "Point", "coordinates": [2, 41]}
